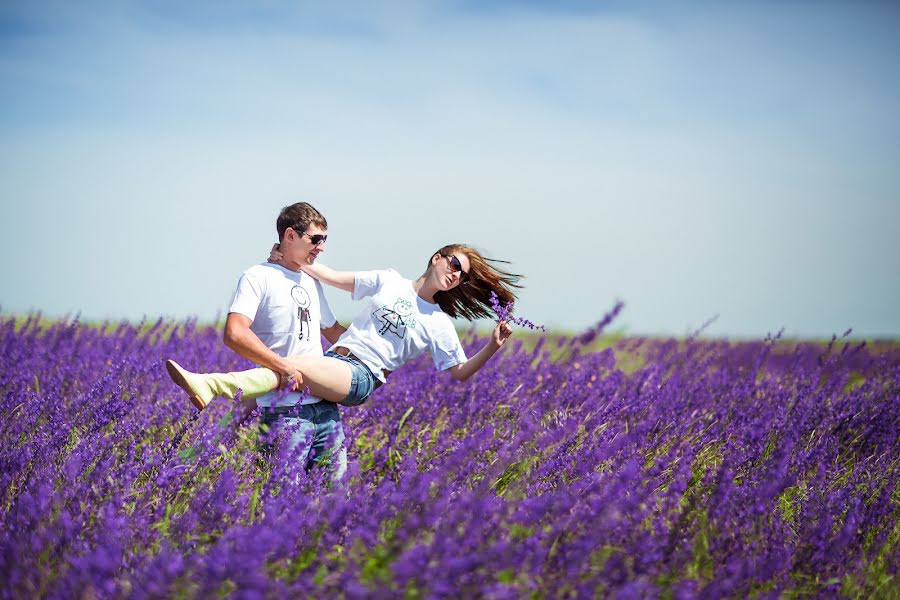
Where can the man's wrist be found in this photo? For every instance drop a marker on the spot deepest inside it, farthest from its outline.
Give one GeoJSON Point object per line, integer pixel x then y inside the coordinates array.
{"type": "Point", "coordinates": [283, 368]}
{"type": "Point", "coordinates": [284, 380]}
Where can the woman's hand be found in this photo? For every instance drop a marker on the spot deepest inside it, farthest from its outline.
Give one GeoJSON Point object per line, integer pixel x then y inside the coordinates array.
{"type": "Point", "coordinates": [501, 333]}
{"type": "Point", "coordinates": [465, 370]}
{"type": "Point", "coordinates": [275, 254]}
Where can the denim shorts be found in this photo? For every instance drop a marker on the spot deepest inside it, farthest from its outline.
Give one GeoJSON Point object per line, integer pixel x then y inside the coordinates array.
{"type": "Point", "coordinates": [363, 383]}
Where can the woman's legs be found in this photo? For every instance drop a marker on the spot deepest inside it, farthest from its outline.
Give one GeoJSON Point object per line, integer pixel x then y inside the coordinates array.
{"type": "Point", "coordinates": [328, 378]}
{"type": "Point", "coordinates": [201, 388]}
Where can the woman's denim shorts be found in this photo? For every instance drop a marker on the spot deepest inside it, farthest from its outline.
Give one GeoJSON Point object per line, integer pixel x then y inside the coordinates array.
{"type": "Point", "coordinates": [364, 381]}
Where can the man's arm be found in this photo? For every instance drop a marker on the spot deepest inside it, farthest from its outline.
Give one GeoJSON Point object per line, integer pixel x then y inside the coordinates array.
{"type": "Point", "coordinates": [334, 332]}
{"type": "Point", "coordinates": [239, 338]}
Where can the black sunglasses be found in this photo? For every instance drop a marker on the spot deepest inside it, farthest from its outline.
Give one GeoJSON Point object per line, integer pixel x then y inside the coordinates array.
{"type": "Point", "coordinates": [315, 239]}
{"type": "Point", "coordinates": [456, 266]}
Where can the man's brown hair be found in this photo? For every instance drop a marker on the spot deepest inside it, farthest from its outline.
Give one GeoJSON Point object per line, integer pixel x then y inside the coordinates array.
{"type": "Point", "coordinates": [298, 217]}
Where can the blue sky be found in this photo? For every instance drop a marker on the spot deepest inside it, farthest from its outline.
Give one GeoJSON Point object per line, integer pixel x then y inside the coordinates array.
{"type": "Point", "coordinates": [725, 158]}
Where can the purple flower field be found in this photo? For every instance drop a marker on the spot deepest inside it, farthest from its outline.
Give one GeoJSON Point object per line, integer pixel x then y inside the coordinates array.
{"type": "Point", "coordinates": [648, 468]}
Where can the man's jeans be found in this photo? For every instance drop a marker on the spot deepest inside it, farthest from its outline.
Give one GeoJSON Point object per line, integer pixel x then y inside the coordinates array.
{"type": "Point", "coordinates": [317, 427]}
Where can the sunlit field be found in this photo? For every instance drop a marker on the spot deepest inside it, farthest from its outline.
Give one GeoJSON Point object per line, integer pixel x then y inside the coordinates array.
{"type": "Point", "coordinates": [570, 466]}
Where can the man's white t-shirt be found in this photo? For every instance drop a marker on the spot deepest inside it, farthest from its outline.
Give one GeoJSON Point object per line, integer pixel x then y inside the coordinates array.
{"type": "Point", "coordinates": [397, 325]}
{"type": "Point", "coordinates": [287, 309]}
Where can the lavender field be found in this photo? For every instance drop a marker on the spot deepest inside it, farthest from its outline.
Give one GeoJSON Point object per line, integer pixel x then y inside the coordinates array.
{"type": "Point", "coordinates": [643, 469]}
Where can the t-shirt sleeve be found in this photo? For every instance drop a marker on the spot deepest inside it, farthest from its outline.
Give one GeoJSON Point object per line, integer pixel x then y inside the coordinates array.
{"type": "Point", "coordinates": [446, 349]}
{"type": "Point", "coordinates": [247, 296]}
{"type": "Point", "coordinates": [327, 317]}
{"type": "Point", "coordinates": [367, 283]}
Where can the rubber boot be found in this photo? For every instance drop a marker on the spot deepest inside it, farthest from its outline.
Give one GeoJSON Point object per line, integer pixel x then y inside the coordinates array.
{"type": "Point", "coordinates": [203, 387]}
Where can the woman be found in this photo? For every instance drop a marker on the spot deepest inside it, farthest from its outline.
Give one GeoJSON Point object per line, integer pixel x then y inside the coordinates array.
{"type": "Point", "coordinates": [403, 319]}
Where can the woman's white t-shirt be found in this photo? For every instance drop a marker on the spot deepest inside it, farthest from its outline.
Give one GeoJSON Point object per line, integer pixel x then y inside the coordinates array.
{"type": "Point", "coordinates": [397, 325]}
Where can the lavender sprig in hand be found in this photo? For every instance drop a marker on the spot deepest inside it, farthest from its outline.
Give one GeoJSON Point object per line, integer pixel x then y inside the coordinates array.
{"type": "Point", "coordinates": [504, 313]}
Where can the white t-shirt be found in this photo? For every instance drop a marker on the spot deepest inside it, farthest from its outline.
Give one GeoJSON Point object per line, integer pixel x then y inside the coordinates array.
{"type": "Point", "coordinates": [287, 310]}
{"type": "Point", "coordinates": [397, 325]}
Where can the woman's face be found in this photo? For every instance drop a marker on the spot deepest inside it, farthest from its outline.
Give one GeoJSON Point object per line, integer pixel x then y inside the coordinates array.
{"type": "Point", "coordinates": [450, 270]}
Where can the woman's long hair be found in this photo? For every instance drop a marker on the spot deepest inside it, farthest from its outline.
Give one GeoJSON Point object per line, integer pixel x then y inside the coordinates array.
{"type": "Point", "coordinates": [472, 299]}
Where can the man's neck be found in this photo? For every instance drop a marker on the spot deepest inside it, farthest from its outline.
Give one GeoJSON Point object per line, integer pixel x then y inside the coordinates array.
{"type": "Point", "coordinates": [283, 263]}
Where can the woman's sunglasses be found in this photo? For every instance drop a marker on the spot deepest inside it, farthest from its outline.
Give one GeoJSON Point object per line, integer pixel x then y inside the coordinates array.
{"type": "Point", "coordinates": [456, 266]}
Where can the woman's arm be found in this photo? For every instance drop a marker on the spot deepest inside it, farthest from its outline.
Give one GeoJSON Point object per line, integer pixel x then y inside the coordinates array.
{"type": "Point", "coordinates": [340, 279]}
{"type": "Point", "coordinates": [343, 280]}
{"type": "Point", "coordinates": [465, 370]}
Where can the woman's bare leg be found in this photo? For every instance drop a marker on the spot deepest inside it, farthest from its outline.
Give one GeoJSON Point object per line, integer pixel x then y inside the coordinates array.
{"type": "Point", "coordinates": [326, 377]}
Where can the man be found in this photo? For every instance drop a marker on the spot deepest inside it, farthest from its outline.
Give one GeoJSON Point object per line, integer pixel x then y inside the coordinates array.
{"type": "Point", "coordinates": [279, 311]}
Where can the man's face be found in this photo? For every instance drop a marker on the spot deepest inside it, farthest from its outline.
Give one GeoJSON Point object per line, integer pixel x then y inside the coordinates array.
{"type": "Point", "coordinates": [298, 247]}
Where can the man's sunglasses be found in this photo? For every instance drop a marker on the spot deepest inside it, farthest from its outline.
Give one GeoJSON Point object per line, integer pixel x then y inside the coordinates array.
{"type": "Point", "coordinates": [456, 266]}
{"type": "Point", "coordinates": [315, 239]}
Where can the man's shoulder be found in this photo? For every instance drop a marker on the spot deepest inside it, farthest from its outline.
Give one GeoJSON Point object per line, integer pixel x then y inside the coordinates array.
{"type": "Point", "coordinates": [265, 279]}
{"type": "Point", "coordinates": [269, 270]}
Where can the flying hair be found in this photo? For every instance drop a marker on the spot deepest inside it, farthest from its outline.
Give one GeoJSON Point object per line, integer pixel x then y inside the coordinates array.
{"type": "Point", "coordinates": [472, 299]}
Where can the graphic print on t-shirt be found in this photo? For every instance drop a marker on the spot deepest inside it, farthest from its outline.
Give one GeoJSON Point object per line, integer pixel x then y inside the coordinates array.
{"type": "Point", "coordinates": [395, 320]}
{"type": "Point", "coordinates": [303, 303]}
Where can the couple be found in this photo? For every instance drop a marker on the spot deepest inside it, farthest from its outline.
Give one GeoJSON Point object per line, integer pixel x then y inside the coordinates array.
{"type": "Point", "coordinates": [279, 310]}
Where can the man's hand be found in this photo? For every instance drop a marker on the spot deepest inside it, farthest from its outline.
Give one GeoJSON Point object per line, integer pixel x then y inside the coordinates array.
{"type": "Point", "coordinates": [292, 381]}
{"type": "Point", "coordinates": [333, 333]}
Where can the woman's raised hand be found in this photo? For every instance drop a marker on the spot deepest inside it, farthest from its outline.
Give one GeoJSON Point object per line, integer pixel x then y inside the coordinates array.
{"type": "Point", "coordinates": [275, 254]}
{"type": "Point", "coordinates": [501, 333]}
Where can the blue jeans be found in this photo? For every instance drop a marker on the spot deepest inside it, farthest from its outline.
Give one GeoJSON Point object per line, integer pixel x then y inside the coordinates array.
{"type": "Point", "coordinates": [317, 427]}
